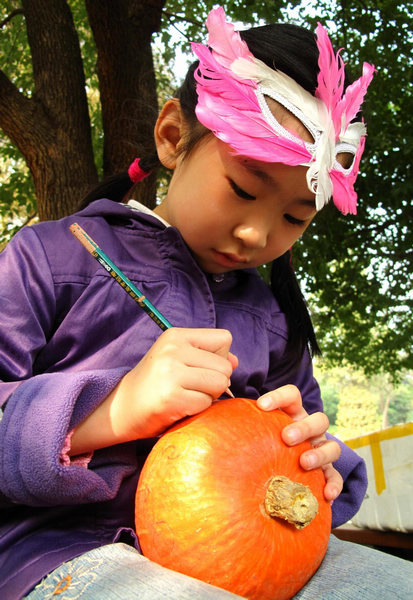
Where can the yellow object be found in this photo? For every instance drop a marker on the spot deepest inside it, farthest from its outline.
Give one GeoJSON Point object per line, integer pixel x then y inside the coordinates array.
{"type": "Point", "coordinates": [389, 459]}
{"type": "Point", "coordinates": [373, 440]}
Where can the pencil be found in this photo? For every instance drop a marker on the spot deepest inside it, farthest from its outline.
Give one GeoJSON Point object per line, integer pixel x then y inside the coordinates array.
{"type": "Point", "coordinates": [91, 246]}
{"type": "Point", "coordinates": [120, 277]}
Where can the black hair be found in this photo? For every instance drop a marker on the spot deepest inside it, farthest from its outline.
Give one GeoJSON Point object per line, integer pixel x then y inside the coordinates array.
{"type": "Point", "coordinates": [292, 50]}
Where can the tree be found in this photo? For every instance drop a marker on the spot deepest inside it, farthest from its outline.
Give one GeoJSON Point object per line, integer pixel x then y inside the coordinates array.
{"type": "Point", "coordinates": [359, 270]}
{"type": "Point", "coordinates": [401, 408]}
{"type": "Point", "coordinates": [50, 125]}
{"type": "Point", "coordinates": [395, 402]}
{"type": "Point", "coordinates": [357, 412]}
{"type": "Point", "coordinates": [78, 101]}
{"type": "Point", "coordinates": [330, 383]}
{"type": "Point", "coordinates": [43, 92]}
{"type": "Point", "coordinates": [356, 404]}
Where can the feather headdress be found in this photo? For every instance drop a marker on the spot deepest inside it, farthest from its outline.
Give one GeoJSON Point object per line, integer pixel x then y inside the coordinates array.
{"type": "Point", "coordinates": [232, 87]}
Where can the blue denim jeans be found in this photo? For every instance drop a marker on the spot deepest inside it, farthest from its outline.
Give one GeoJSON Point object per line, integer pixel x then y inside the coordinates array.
{"type": "Point", "coordinates": [118, 572]}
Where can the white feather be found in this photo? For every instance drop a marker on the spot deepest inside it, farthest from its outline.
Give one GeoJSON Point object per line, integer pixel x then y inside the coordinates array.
{"type": "Point", "coordinates": [353, 134]}
{"type": "Point", "coordinates": [284, 85]}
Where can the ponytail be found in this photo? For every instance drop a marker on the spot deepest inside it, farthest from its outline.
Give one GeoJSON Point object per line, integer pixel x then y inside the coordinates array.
{"type": "Point", "coordinates": [119, 187]}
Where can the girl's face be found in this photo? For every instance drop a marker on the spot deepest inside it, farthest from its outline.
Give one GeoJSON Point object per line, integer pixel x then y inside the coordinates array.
{"type": "Point", "coordinates": [235, 212]}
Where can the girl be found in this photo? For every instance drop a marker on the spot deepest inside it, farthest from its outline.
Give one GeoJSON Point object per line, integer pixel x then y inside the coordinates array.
{"type": "Point", "coordinates": [88, 383]}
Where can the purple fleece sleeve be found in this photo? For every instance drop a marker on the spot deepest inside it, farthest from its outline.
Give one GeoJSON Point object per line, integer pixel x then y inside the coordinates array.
{"type": "Point", "coordinates": [35, 423]}
{"type": "Point", "coordinates": [40, 409]}
{"type": "Point", "coordinates": [353, 470]}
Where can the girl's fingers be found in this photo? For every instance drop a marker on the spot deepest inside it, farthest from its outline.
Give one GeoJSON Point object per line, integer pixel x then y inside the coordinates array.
{"type": "Point", "coordinates": [233, 360]}
{"type": "Point", "coordinates": [211, 382]}
{"type": "Point", "coordinates": [307, 427]}
{"type": "Point", "coordinates": [203, 348]}
{"type": "Point", "coordinates": [217, 341]}
{"type": "Point", "coordinates": [334, 483]}
{"type": "Point", "coordinates": [182, 373]}
{"type": "Point", "coordinates": [320, 455]}
{"type": "Point", "coordinates": [202, 359]}
{"type": "Point", "coordinates": [191, 359]}
{"type": "Point", "coordinates": [312, 427]}
{"type": "Point", "coordinates": [288, 398]}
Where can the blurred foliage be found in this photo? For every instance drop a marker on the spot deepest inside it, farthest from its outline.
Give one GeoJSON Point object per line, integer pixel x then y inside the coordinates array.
{"type": "Point", "coordinates": [357, 412]}
{"type": "Point", "coordinates": [358, 270]}
{"type": "Point", "coordinates": [357, 404]}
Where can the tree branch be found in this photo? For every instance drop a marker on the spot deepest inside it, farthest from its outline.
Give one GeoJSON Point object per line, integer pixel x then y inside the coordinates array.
{"type": "Point", "coordinates": [17, 11]}
{"type": "Point", "coordinates": [56, 59]}
{"type": "Point", "coordinates": [18, 114]}
{"type": "Point", "coordinates": [183, 19]}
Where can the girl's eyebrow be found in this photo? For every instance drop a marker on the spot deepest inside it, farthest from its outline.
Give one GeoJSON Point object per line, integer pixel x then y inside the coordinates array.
{"type": "Point", "coordinates": [263, 175]}
{"type": "Point", "coordinates": [268, 180]}
{"type": "Point", "coordinates": [308, 202]}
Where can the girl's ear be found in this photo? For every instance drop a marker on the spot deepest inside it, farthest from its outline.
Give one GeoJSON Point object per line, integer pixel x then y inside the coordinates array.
{"type": "Point", "coordinates": [169, 131]}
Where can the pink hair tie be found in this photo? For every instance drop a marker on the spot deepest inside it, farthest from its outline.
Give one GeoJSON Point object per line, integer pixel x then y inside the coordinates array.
{"type": "Point", "coordinates": [136, 173]}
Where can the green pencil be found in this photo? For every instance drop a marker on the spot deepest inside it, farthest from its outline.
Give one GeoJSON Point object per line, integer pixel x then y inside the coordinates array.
{"type": "Point", "coordinates": [119, 277]}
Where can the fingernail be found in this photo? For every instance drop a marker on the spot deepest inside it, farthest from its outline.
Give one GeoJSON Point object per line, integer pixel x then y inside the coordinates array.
{"type": "Point", "coordinates": [334, 494]}
{"type": "Point", "coordinates": [292, 434]}
{"type": "Point", "coordinates": [310, 460]}
{"type": "Point", "coordinates": [265, 403]}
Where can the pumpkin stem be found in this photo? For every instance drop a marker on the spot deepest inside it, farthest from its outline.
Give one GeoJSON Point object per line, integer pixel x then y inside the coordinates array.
{"type": "Point", "coordinates": [291, 501]}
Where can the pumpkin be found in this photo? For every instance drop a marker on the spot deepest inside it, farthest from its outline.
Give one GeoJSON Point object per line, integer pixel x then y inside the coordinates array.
{"type": "Point", "coordinates": [221, 498]}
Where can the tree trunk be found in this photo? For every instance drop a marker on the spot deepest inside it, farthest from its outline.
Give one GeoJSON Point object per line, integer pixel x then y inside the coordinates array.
{"type": "Point", "coordinates": [51, 129]}
{"type": "Point", "coordinates": [122, 31]}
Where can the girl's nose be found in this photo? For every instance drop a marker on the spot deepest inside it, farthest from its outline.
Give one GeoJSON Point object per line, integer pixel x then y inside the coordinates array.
{"type": "Point", "coordinates": [251, 236]}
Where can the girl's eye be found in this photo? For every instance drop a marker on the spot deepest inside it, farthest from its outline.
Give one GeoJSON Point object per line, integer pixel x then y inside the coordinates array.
{"type": "Point", "coordinates": [240, 192]}
{"type": "Point", "coordinates": [293, 220]}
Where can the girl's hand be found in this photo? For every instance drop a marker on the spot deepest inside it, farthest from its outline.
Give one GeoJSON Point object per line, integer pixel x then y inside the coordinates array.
{"type": "Point", "coordinates": [307, 427]}
{"type": "Point", "coordinates": [180, 375]}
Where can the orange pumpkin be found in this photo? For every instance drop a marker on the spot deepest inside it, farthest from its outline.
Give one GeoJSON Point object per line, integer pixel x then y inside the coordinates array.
{"type": "Point", "coordinates": [205, 494]}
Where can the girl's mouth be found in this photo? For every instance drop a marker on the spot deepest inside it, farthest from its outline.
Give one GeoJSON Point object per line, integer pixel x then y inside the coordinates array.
{"type": "Point", "coordinates": [226, 259]}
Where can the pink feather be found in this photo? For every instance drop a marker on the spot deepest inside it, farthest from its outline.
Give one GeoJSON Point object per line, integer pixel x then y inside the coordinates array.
{"type": "Point", "coordinates": [354, 95]}
{"type": "Point", "coordinates": [342, 108]}
{"type": "Point", "coordinates": [228, 105]}
{"type": "Point", "coordinates": [330, 77]}
{"type": "Point", "coordinates": [226, 43]}
{"type": "Point", "coordinates": [344, 196]}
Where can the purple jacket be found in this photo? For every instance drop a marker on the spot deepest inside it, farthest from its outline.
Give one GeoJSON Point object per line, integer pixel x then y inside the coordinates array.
{"type": "Point", "coordinates": [68, 334]}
